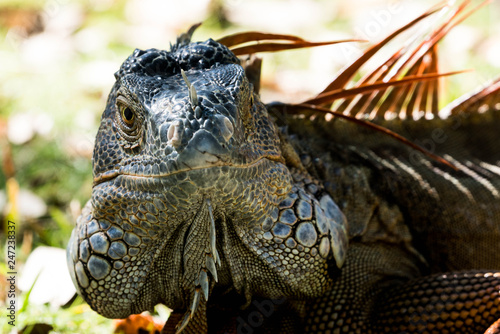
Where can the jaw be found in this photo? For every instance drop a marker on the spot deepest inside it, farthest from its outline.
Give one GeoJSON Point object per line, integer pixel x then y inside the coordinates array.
{"type": "Point", "coordinates": [109, 274]}
{"type": "Point", "coordinates": [138, 234]}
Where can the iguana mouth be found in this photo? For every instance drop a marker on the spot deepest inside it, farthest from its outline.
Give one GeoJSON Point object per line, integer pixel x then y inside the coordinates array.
{"type": "Point", "coordinates": [112, 174]}
{"type": "Point", "coordinates": [106, 176]}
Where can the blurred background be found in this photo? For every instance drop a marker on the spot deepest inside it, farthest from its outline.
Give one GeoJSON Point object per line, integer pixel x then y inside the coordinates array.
{"type": "Point", "coordinates": [57, 59]}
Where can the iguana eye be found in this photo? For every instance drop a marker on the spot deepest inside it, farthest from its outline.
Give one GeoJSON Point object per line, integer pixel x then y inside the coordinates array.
{"type": "Point", "coordinates": [128, 115]}
{"type": "Point", "coordinates": [128, 121]}
{"type": "Point", "coordinates": [126, 112]}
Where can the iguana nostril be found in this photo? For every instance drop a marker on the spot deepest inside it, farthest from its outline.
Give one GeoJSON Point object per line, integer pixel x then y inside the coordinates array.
{"type": "Point", "coordinates": [174, 134]}
{"type": "Point", "coordinates": [226, 127]}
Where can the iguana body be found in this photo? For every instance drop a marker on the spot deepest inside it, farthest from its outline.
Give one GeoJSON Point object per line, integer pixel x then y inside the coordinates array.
{"type": "Point", "coordinates": [404, 203]}
{"type": "Point", "coordinates": [244, 218]}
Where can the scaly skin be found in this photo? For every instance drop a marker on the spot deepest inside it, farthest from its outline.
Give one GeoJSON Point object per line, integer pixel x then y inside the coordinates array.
{"type": "Point", "coordinates": [411, 221]}
{"type": "Point", "coordinates": [200, 203]}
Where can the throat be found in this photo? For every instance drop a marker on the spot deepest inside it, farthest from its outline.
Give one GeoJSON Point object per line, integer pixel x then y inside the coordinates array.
{"type": "Point", "coordinates": [200, 260]}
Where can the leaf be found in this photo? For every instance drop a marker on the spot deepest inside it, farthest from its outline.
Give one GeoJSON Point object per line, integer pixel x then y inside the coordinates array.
{"type": "Point", "coordinates": [487, 98]}
{"type": "Point", "coordinates": [38, 328]}
{"type": "Point", "coordinates": [27, 296]}
{"type": "Point", "coordinates": [252, 36]}
{"type": "Point", "coordinates": [364, 89]}
{"type": "Point", "coordinates": [349, 72]}
{"type": "Point", "coordinates": [275, 42]}
{"type": "Point", "coordinates": [275, 47]}
{"type": "Point", "coordinates": [408, 100]}
{"type": "Point", "coordinates": [137, 323]}
{"type": "Point", "coordinates": [297, 108]}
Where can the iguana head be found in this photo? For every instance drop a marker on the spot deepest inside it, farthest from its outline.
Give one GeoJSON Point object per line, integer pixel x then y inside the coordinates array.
{"type": "Point", "coordinates": [188, 178]}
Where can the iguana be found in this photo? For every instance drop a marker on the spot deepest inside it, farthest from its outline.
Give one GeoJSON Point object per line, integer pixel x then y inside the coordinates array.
{"type": "Point", "coordinates": [251, 218]}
